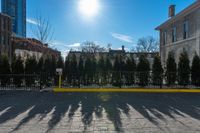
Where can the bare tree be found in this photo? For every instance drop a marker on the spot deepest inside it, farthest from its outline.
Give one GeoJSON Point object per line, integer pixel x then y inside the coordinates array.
{"type": "Point", "coordinates": [91, 47]}
{"type": "Point", "coordinates": [109, 46]}
{"type": "Point", "coordinates": [147, 44]}
{"type": "Point", "coordinates": [43, 30]}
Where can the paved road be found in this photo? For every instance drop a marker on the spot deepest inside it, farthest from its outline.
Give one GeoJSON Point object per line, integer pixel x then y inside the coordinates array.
{"type": "Point", "coordinates": [34, 112]}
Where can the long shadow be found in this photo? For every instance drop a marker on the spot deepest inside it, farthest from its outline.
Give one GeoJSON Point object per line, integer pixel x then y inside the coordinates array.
{"type": "Point", "coordinates": [153, 107]}
{"type": "Point", "coordinates": [58, 103]}
{"type": "Point", "coordinates": [16, 103]}
{"type": "Point", "coordinates": [90, 104]}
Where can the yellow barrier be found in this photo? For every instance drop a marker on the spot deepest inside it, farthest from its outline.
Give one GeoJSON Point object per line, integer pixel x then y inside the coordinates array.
{"type": "Point", "coordinates": [138, 90]}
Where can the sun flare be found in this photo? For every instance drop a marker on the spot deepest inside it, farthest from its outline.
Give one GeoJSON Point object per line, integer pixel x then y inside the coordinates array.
{"type": "Point", "coordinates": [89, 8]}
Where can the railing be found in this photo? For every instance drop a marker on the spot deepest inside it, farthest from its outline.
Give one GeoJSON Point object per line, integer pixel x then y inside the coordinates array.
{"type": "Point", "coordinates": [127, 79]}
{"type": "Point", "coordinates": [34, 82]}
{"type": "Point", "coordinates": [109, 79]}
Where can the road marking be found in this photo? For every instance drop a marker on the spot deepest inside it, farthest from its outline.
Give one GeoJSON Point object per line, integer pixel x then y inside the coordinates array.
{"type": "Point", "coordinates": [134, 90]}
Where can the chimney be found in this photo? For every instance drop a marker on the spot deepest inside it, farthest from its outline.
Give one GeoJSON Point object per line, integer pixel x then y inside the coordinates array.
{"type": "Point", "coordinates": [172, 10]}
{"type": "Point", "coordinates": [46, 45]}
{"type": "Point", "coordinates": [123, 48]}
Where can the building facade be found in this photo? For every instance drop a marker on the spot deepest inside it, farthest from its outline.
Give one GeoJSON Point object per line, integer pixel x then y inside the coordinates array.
{"type": "Point", "coordinates": [181, 32]}
{"type": "Point", "coordinates": [17, 10]}
{"type": "Point", "coordinates": [28, 47]}
{"type": "Point", "coordinates": [5, 35]}
{"type": "Point", "coordinates": [112, 54]}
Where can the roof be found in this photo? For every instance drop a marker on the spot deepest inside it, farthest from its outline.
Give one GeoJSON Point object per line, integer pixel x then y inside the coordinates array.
{"type": "Point", "coordinates": [181, 14]}
{"type": "Point", "coordinates": [32, 45]}
{"type": "Point", "coordinates": [5, 15]}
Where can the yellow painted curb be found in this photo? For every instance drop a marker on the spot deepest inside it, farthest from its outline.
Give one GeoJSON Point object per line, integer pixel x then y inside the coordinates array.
{"type": "Point", "coordinates": [138, 90]}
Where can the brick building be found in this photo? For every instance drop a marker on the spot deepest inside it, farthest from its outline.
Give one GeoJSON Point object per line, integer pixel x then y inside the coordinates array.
{"type": "Point", "coordinates": [27, 47]}
{"type": "Point", "coordinates": [5, 35]}
{"type": "Point", "coordinates": [181, 32]}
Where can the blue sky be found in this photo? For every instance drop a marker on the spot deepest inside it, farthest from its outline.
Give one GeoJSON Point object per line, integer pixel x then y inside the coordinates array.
{"type": "Point", "coordinates": [118, 22]}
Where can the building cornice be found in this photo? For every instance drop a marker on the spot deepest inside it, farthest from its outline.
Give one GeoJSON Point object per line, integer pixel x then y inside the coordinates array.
{"type": "Point", "coordinates": [181, 14]}
{"type": "Point", "coordinates": [181, 42]}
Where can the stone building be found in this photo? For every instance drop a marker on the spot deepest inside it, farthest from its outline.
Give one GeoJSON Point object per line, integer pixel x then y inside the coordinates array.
{"type": "Point", "coordinates": [5, 35]}
{"type": "Point", "coordinates": [181, 32]}
{"type": "Point", "coordinates": [111, 54]}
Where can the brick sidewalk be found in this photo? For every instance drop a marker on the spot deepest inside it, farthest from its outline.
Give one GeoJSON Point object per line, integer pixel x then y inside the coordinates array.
{"type": "Point", "coordinates": [34, 112]}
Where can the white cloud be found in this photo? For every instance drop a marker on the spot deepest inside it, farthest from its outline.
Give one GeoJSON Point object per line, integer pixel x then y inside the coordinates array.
{"type": "Point", "coordinates": [74, 45]}
{"type": "Point", "coordinates": [64, 48]}
{"type": "Point", "coordinates": [122, 37]}
{"type": "Point", "coordinates": [57, 43]}
{"type": "Point", "coordinates": [63, 44]}
{"type": "Point", "coordinates": [32, 21]}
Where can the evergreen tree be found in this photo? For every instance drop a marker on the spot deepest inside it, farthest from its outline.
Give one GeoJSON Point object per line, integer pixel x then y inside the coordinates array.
{"type": "Point", "coordinates": [108, 69]}
{"type": "Point", "coordinates": [73, 70]}
{"type": "Point", "coordinates": [116, 75]}
{"type": "Point", "coordinates": [81, 70]}
{"type": "Point", "coordinates": [30, 69]}
{"type": "Point", "coordinates": [171, 69]}
{"type": "Point", "coordinates": [130, 68]}
{"type": "Point", "coordinates": [108, 64]}
{"type": "Point", "coordinates": [101, 71]}
{"type": "Point", "coordinates": [143, 71]}
{"type": "Point", "coordinates": [4, 70]}
{"type": "Point", "coordinates": [66, 69]}
{"type": "Point", "coordinates": [58, 64]}
{"type": "Point", "coordinates": [195, 70]}
{"type": "Point", "coordinates": [94, 77]}
{"type": "Point", "coordinates": [157, 71]}
{"type": "Point", "coordinates": [184, 69]}
{"type": "Point", "coordinates": [18, 71]}
{"type": "Point", "coordinates": [40, 65]}
{"type": "Point", "coordinates": [47, 64]}
{"type": "Point", "coordinates": [47, 72]}
{"type": "Point", "coordinates": [88, 74]}
{"type": "Point", "coordinates": [30, 65]}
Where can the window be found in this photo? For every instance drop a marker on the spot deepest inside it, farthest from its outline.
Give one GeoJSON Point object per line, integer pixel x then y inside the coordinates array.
{"type": "Point", "coordinates": [3, 39]}
{"type": "Point", "coordinates": [164, 37]}
{"type": "Point", "coordinates": [174, 34]}
{"type": "Point", "coordinates": [2, 24]}
{"type": "Point", "coordinates": [185, 29]}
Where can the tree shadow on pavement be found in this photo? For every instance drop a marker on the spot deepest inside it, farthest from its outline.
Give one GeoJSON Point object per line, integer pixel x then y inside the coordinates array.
{"type": "Point", "coordinates": [153, 107]}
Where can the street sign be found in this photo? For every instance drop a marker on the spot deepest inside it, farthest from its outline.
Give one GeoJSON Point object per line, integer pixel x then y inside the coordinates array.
{"type": "Point", "coordinates": [59, 71]}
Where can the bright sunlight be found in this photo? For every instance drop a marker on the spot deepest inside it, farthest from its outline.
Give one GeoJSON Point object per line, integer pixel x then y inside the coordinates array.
{"type": "Point", "coordinates": [89, 8]}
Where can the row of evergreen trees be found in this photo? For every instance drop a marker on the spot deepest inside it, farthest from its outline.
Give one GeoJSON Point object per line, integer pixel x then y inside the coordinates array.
{"type": "Point", "coordinates": [87, 70]}
{"type": "Point", "coordinates": [183, 72]}
{"type": "Point", "coordinates": [30, 71]}
{"type": "Point", "coordinates": [129, 73]}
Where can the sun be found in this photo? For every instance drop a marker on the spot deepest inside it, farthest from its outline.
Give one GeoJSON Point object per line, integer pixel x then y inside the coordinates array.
{"type": "Point", "coordinates": [89, 8]}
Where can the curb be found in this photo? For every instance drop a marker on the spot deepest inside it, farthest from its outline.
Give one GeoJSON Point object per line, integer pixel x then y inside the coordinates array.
{"type": "Point", "coordinates": [131, 90]}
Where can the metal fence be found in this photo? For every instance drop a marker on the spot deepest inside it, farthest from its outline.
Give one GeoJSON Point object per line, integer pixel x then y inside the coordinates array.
{"type": "Point", "coordinates": [128, 79]}
{"type": "Point", "coordinates": [34, 82]}
{"type": "Point", "coordinates": [107, 79]}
